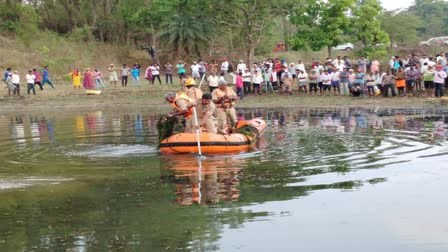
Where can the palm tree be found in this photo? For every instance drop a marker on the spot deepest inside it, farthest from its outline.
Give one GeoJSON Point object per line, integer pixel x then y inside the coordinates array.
{"type": "Point", "coordinates": [185, 32]}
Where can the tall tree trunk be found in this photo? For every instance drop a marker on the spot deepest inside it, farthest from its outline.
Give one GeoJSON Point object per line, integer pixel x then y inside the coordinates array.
{"type": "Point", "coordinates": [329, 51]}
{"type": "Point", "coordinates": [153, 40]}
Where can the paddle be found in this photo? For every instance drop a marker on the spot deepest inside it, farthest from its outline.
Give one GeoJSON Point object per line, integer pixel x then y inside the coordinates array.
{"type": "Point", "coordinates": [197, 130]}
{"type": "Point", "coordinates": [200, 83]}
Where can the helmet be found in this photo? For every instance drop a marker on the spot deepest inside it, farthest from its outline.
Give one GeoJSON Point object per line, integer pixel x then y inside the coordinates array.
{"type": "Point", "coordinates": [189, 82]}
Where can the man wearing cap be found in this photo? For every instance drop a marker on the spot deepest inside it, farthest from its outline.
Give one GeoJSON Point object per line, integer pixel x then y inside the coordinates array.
{"type": "Point", "coordinates": [224, 98]}
{"type": "Point", "coordinates": [241, 67]}
{"type": "Point", "coordinates": [205, 109]}
{"type": "Point", "coordinates": [182, 105]}
{"type": "Point", "coordinates": [439, 79]}
{"type": "Point", "coordinates": [191, 90]}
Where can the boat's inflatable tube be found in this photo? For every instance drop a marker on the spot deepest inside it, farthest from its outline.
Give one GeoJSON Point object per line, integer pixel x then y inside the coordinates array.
{"type": "Point", "coordinates": [216, 143]}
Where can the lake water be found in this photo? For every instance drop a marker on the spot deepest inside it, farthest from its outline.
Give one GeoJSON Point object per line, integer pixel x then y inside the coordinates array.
{"type": "Point", "coordinates": [319, 180]}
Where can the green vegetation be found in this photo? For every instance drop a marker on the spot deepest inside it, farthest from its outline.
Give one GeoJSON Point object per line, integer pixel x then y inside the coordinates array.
{"type": "Point", "coordinates": [66, 34]}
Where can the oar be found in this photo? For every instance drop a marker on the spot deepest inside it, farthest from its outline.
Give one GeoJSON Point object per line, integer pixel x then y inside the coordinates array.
{"type": "Point", "coordinates": [199, 180]}
{"type": "Point", "coordinates": [197, 130]}
{"type": "Point", "coordinates": [200, 83]}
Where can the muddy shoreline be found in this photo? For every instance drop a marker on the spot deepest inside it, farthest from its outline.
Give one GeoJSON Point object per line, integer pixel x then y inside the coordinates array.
{"type": "Point", "coordinates": [64, 98]}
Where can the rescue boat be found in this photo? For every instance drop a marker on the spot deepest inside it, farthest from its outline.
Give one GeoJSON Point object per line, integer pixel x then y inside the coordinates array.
{"type": "Point", "coordinates": [244, 139]}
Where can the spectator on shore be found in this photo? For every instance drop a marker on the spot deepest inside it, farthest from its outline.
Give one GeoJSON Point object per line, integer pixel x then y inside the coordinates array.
{"type": "Point", "coordinates": [439, 79]}
{"type": "Point", "coordinates": [87, 80]}
{"type": "Point", "coordinates": [98, 78]}
{"type": "Point", "coordinates": [16, 81]}
{"type": "Point", "coordinates": [135, 74]}
{"type": "Point", "coordinates": [155, 72]}
{"type": "Point", "coordinates": [9, 84]}
{"type": "Point", "coordinates": [30, 79]}
{"type": "Point", "coordinates": [168, 70]}
{"type": "Point", "coordinates": [6, 73]}
{"type": "Point", "coordinates": [37, 80]}
{"type": "Point", "coordinates": [46, 77]}
{"type": "Point", "coordinates": [76, 78]}
{"type": "Point", "coordinates": [124, 75]}
{"type": "Point", "coordinates": [400, 82]}
{"type": "Point", "coordinates": [113, 75]}
{"type": "Point", "coordinates": [195, 71]}
{"type": "Point", "coordinates": [180, 70]}
{"type": "Point", "coordinates": [428, 82]}
{"type": "Point", "coordinates": [388, 83]}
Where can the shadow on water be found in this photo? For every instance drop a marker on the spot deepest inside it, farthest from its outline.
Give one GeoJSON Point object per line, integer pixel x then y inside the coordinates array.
{"type": "Point", "coordinates": [95, 180]}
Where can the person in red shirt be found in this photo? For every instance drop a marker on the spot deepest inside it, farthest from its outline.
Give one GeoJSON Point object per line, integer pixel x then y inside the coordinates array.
{"type": "Point", "coordinates": [37, 79]}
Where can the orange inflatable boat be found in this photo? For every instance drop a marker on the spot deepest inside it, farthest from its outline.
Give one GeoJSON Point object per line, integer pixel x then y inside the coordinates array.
{"type": "Point", "coordinates": [244, 139]}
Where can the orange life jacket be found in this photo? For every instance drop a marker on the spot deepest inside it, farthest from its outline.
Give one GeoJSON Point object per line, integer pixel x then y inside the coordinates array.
{"type": "Point", "coordinates": [182, 95]}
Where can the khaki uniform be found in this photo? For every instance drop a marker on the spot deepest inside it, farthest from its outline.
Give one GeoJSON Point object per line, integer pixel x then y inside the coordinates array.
{"type": "Point", "coordinates": [181, 103]}
{"type": "Point", "coordinates": [287, 85]}
{"type": "Point", "coordinates": [225, 111]}
{"type": "Point", "coordinates": [193, 92]}
{"type": "Point", "coordinates": [201, 110]}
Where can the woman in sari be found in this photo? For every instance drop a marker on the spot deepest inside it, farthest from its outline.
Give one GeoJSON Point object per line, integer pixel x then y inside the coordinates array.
{"type": "Point", "coordinates": [76, 78]}
{"type": "Point", "coordinates": [87, 81]}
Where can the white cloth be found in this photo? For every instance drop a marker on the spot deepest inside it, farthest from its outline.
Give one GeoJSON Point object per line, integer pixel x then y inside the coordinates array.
{"type": "Point", "coordinates": [30, 78]}
{"type": "Point", "coordinates": [15, 78]}
{"type": "Point", "coordinates": [213, 81]}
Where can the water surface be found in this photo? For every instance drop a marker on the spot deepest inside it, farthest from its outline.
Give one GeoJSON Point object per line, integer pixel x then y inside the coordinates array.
{"type": "Point", "coordinates": [319, 180]}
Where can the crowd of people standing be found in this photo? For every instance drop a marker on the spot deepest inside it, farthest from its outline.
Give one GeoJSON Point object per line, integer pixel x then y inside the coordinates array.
{"type": "Point", "coordinates": [341, 76]}
{"type": "Point", "coordinates": [33, 77]}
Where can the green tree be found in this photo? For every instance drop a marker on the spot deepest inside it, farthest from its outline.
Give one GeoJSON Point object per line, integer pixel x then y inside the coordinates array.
{"type": "Point", "coordinates": [185, 32]}
{"type": "Point", "coordinates": [401, 27]}
{"type": "Point", "coordinates": [247, 20]}
{"type": "Point", "coordinates": [27, 24]}
{"type": "Point", "coordinates": [433, 15]}
{"type": "Point", "coordinates": [320, 23]}
{"type": "Point", "coordinates": [366, 27]}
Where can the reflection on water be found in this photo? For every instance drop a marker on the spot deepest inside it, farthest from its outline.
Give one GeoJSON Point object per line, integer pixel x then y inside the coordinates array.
{"type": "Point", "coordinates": [207, 180]}
{"type": "Point", "coordinates": [94, 181]}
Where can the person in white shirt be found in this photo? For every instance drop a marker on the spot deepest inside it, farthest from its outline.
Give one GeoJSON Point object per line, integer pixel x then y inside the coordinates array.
{"type": "Point", "coordinates": [423, 60]}
{"type": "Point", "coordinates": [155, 73]}
{"type": "Point", "coordinates": [213, 81]}
{"type": "Point", "coordinates": [302, 76]}
{"type": "Point", "coordinates": [16, 82]}
{"type": "Point", "coordinates": [300, 66]}
{"type": "Point", "coordinates": [257, 79]}
{"type": "Point", "coordinates": [224, 66]}
{"type": "Point", "coordinates": [439, 79]}
{"type": "Point", "coordinates": [335, 82]}
{"type": "Point", "coordinates": [195, 71]}
{"type": "Point", "coordinates": [30, 79]}
{"type": "Point", "coordinates": [241, 67]}
{"type": "Point", "coordinates": [246, 81]}
{"type": "Point", "coordinates": [431, 63]}
{"type": "Point", "coordinates": [326, 82]}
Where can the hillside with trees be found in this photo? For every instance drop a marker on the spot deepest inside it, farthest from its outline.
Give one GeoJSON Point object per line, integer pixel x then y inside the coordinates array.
{"type": "Point", "coordinates": [182, 29]}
